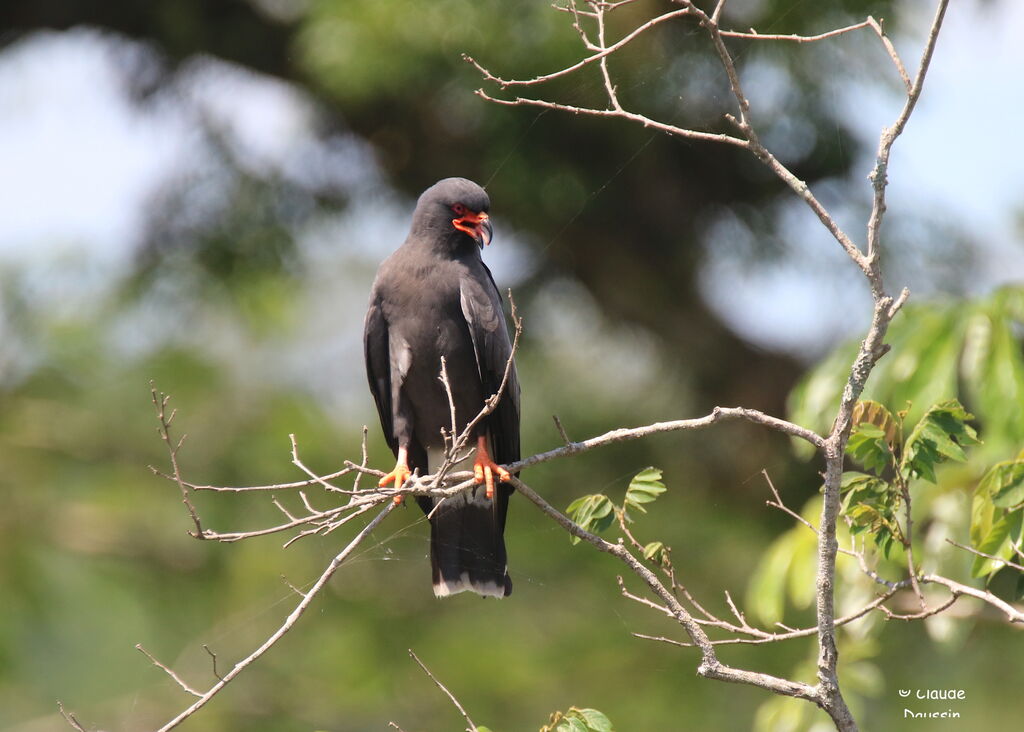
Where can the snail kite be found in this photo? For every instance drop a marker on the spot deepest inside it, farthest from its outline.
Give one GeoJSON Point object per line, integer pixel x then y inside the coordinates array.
{"type": "Point", "coordinates": [434, 298]}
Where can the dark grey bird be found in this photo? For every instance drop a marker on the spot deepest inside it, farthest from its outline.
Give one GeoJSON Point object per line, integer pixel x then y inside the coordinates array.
{"type": "Point", "coordinates": [434, 298]}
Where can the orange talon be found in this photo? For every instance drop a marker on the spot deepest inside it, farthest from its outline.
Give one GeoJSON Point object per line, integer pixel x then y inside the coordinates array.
{"type": "Point", "coordinates": [484, 469]}
{"type": "Point", "coordinates": [399, 475]}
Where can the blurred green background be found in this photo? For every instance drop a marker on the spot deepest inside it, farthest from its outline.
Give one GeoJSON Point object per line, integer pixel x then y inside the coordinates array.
{"type": "Point", "coordinates": [198, 194]}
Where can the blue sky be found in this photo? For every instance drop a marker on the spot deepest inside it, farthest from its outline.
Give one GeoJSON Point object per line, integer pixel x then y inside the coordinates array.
{"type": "Point", "coordinates": [83, 160]}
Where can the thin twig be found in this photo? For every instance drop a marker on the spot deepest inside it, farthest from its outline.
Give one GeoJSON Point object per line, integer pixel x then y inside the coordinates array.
{"type": "Point", "coordinates": [470, 727]}
{"type": "Point", "coordinates": [926, 612]}
{"type": "Point", "coordinates": [908, 541]}
{"type": "Point", "coordinates": [755, 36]}
{"type": "Point", "coordinates": [561, 429]}
{"type": "Point", "coordinates": [70, 718]}
{"type": "Point", "coordinates": [302, 466]}
{"type": "Point", "coordinates": [160, 402]}
{"type": "Point", "coordinates": [891, 50]}
{"type": "Point", "coordinates": [640, 30]}
{"type": "Point", "coordinates": [993, 557]}
{"type": "Point", "coordinates": [287, 625]}
{"type": "Point", "coordinates": [1013, 614]}
{"type": "Point", "coordinates": [622, 114]}
{"type": "Point", "coordinates": [762, 637]}
{"type": "Point", "coordinates": [213, 658]}
{"type": "Point", "coordinates": [710, 667]}
{"type": "Point", "coordinates": [718, 414]}
{"type": "Point", "coordinates": [608, 86]}
{"type": "Point", "coordinates": [170, 672]}
{"type": "Point", "coordinates": [879, 175]}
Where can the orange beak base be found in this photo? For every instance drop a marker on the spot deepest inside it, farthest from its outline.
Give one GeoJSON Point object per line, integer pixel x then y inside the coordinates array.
{"type": "Point", "coordinates": [477, 225]}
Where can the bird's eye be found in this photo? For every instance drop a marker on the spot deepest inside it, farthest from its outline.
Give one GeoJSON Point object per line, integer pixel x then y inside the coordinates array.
{"type": "Point", "coordinates": [459, 209]}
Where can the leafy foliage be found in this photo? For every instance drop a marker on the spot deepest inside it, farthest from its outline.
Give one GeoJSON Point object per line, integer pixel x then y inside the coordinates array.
{"type": "Point", "coordinates": [871, 500]}
{"type": "Point", "coordinates": [942, 357]}
{"type": "Point", "coordinates": [594, 513]}
{"type": "Point", "coordinates": [997, 515]}
{"type": "Point", "coordinates": [597, 512]}
{"type": "Point", "coordinates": [969, 350]}
{"type": "Point", "coordinates": [870, 505]}
{"type": "Point", "coordinates": [940, 436]}
{"type": "Point", "coordinates": [578, 720]}
{"type": "Point", "coordinates": [645, 487]}
{"type": "Point", "coordinates": [868, 447]}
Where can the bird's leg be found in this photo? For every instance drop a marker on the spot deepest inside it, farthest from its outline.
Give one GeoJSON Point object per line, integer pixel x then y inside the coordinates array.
{"type": "Point", "coordinates": [484, 469]}
{"type": "Point", "coordinates": [400, 474]}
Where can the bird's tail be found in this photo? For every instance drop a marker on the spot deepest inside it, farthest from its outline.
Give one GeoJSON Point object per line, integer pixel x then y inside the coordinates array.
{"type": "Point", "coordinates": [467, 543]}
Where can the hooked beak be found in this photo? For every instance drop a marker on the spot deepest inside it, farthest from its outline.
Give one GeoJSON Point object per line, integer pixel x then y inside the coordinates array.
{"type": "Point", "coordinates": [477, 225]}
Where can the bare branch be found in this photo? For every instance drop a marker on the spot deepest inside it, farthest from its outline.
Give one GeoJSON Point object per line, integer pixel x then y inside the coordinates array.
{"type": "Point", "coordinates": [70, 718]}
{"type": "Point", "coordinates": [623, 114]}
{"type": "Point", "coordinates": [287, 625]}
{"type": "Point", "coordinates": [170, 672]}
{"type": "Point", "coordinates": [755, 36]}
{"type": "Point", "coordinates": [718, 414]}
{"type": "Point", "coordinates": [879, 175]}
{"type": "Point", "coordinates": [710, 667]}
{"type": "Point", "coordinates": [972, 550]}
{"type": "Point", "coordinates": [470, 727]}
{"type": "Point", "coordinates": [213, 659]}
{"type": "Point", "coordinates": [608, 86]}
{"type": "Point", "coordinates": [561, 429]}
{"type": "Point", "coordinates": [762, 637]}
{"type": "Point", "coordinates": [1013, 614]}
{"type": "Point", "coordinates": [926, 612]}
{"type": "Point", "coordinates": [876, 26]}
{"type": "Point", "coordinates": [451, 397]}
{"type": "Point", "coordinates": [777, 503]}
{"type": "Point", "coordinates": [292, 587]}
{"type": "Point", "coordinates": [640, 30]}
{"type": "Point", "coordinates": [316, 480]}
{"type": "Point", "coordinates": [908, 541]}
{"type": "Point", "coordinates": [302, 466]}
{"type": "Point", "coordinates": [160, 402]}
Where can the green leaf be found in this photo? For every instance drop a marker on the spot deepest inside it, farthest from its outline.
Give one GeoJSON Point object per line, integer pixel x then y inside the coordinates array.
{"type": "Point", "coordinates": [593, 513]}
{"type": "Point", "coordinates": [571, 724]}
{"type": "Point", "coordinates": [580, 720]}
{"type": "Point", "coordinates": [862, 488]}
{"type": "Point", "coordinates": [645, 487]}
{"type": "Point", "coordinates": [885, 541]}
{"type": "Point", "coordinates": [654, 549]}
{"type": "Point", "coordinates": [874, 413]}
{"type": "Point", "coordinates": [595, 720]}
{"type": "Point", "coordinates": [868, 445]}
{"type": "Point", "coordinates": [983, 514]}
{"type": "Point", "coordinates": [870, 504]}
{"type": "Point", "coordinates": [1005, 483]}
{"type": "Point", "coordinates": [939, 436]}
{"type": "Point", "coordinates": [993, 365]}
{"type": "Point", "coordinates": [996, 543]}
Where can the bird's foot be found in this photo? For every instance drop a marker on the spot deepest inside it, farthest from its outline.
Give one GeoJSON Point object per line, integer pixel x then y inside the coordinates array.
{"type": "Point", "coordinates": [399, 475]}
{"type": "Point", "coordinates": [484, 469]}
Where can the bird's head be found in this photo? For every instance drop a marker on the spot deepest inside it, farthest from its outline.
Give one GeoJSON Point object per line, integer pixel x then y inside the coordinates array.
{"type": "Point", "coordinates": [454, 207]}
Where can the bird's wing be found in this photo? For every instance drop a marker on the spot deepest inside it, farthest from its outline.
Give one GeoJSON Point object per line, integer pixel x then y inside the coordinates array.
{"type": "Point", "coordinates": [481, 306]}
{"type": "Point", "coordinates": [378, 366]}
